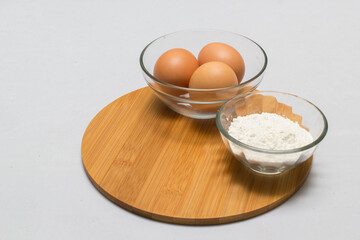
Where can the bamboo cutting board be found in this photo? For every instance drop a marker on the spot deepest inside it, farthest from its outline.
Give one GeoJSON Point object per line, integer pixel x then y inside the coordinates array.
{"type": "Point", "coordinates": [156, 163]}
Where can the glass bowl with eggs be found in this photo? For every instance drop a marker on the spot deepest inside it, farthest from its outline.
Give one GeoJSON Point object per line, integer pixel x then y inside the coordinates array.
{"type": "Point", "coordinates": [194, 72]}
{"type": "Point", "coordinates": [269, 131]}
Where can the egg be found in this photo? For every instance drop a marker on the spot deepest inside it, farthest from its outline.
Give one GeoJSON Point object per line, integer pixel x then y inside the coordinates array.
{"type": "Point", "coordinates": [223, 53]}
{"type": "Point", "coordinates": [176, 66]}
{"type": "Point", "coordinates": [213, 75]}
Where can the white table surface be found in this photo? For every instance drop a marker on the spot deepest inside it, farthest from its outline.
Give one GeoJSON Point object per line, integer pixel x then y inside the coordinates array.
{"type": "Point", "coordinates": [62, 61]}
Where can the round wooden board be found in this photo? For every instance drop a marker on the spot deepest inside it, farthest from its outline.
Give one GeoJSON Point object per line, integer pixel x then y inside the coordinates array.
{"type": "Point", "coordinates": [161, 165]}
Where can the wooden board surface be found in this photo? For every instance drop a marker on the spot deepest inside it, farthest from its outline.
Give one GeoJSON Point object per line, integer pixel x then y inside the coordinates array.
{"type": "Point", "coordinates": [161, 165]}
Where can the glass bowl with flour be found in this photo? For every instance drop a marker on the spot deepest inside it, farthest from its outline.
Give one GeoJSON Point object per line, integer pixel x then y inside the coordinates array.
{"type": "Point", "coordinates": [271, 132]}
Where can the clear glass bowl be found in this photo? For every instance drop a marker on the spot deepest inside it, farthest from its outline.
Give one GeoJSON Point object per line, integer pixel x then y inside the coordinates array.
{"type": "Point", "coordinates": [202, 103]}
{"type": "Point", "coordinates": [290, 106]}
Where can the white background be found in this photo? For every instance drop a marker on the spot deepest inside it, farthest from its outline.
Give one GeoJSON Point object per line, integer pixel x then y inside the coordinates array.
{"type": "Point", "coordinates": [62, 61]}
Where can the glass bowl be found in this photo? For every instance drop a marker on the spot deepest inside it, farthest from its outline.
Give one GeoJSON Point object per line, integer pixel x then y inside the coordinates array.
{"type": "Point", "coordinates": [202, 103]}
{"type": "Point", "coordinates": [295, 108]}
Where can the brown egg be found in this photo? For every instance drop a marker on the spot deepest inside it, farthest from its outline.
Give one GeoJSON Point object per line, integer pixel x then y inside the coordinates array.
{"type": "Point", "coordinates": [176, 67]}
{"type": "Point", "coordinates": [223, 53]}
{"type": "Point", "coordinates": [209, 76]}
{"type": "Point", "coordinates": [213, 75]}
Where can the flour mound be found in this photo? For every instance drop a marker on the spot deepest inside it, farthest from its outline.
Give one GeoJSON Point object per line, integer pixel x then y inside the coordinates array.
{"type": "Point", "coordinates": [269, 131]}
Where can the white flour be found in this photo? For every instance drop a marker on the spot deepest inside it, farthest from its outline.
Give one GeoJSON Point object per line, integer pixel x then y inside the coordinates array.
{"type": "Point", "coordinates": [268, 131]}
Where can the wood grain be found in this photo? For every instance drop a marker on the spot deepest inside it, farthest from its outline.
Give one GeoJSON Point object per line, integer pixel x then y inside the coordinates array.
{"type": "Point", "coordinates": [161, 165]}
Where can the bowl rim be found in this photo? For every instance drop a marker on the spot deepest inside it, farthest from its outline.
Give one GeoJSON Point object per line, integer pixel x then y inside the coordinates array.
{"type": "Point", "coordinates": [198, 89]}
{"type": "Point", "coordinates": [269, 151]}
